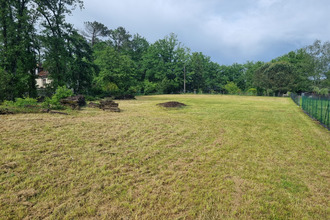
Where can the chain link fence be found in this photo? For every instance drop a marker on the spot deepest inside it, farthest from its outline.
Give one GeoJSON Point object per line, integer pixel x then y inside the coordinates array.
{"type": "Point", "coordinates": [317, 107]}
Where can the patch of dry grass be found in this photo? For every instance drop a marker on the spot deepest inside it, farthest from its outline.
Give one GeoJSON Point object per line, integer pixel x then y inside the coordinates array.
{"type": "Point", "coordinates": [218, 157]}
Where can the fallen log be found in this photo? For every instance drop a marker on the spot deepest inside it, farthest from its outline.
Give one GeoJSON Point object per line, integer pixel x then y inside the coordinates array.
{"type": "Point", "coordinates": [61, 113]}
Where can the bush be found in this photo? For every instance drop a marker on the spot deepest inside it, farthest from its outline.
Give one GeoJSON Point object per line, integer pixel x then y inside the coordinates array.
{"type": "Point", "coordinates": [149, 87]}
{"type": "Point", "coordinates": [21, 105]}
{"type": "Point", "coordinates": [232, 88]}
{"type": "Point", "coordinates": [8, 103]}
{"type": "Point", "coordinates": [91, 98]}
{"type": "Point", "coordinates": [61, 93]}
{"type": "Point", "coordinates": [252, 91]}
{"type": "Point", "coordinates": [324, 91]}
{"type": "Point", "coordinates": [19, 102]}
{"type": "Point", "coordinates": [54, 102]}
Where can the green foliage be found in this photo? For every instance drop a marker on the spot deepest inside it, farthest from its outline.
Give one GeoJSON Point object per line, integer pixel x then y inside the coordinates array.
{"type": "Point", "coordinates": [163, 64]}
{"type": "Point", "coordinates": [21, 102]}
{"type": "Point", "coordinates": [318, 62]}
{"type": "Point", "coordinates": [8, 103]}
{"type": "Point", "coordinates": [117, 72]}
{"type": "Point", "coordinates": [54, 102]}
{"type": "Point", "coordinates": [21, 105]}
{"type": "Point", "coordinates": [120, 38]}
{"type": "Point", "coordinates": [299, 60]}
{"type": "Point", "coordinates": [252, 91]}
{"type": "Point", "coordinates": [324, 91]}
{"type": "Point", "coordinates": [24, 102]}
{"type": "Point", "coordinates": [91, 98]}
{"type": "Point", "coordinates": [17, 57]}
{"type": "Point", "coordinates": [318, 91]}
{"type": "Point", "coordinates": [62, 92]}
{"type": "Point", "coordinates": [80, 65]}
{"type": "Point", "coordinates": [110, 87]}
{"type": "Point", "coordinates": [278, 77]}
{"type": "Point", "coordinates": [124, 64]}
{"type": "Point", "coordinates": [149, 87]}
{"type": "Point", "coordinates": [93, 30]}
{"type": "Point", "coordinates": [232, 88]}
{"type": "Point", "coordinates": [5, 88]}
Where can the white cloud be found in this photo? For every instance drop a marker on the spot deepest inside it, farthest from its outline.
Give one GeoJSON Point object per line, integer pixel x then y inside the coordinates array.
{"type": "Point", "coordinates": [228, 31]}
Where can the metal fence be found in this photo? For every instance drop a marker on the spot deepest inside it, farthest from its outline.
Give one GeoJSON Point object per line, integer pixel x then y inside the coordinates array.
{"type": "Point", "coordinates": [296, 98]}
{"type": "Point", "coordinates": [317, 107]}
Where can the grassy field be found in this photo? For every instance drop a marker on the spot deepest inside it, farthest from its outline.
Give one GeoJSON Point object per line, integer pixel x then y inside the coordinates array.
{"type": "Point", "coordinates": [220, 157]}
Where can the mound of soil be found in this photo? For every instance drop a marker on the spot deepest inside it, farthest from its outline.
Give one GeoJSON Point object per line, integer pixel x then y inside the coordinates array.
{"type": "Point", "coordinates": [171, 104]}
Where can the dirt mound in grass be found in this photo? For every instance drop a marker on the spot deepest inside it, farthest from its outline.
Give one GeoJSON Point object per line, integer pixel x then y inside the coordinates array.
{"type": "Point", "coordinates": [171, 104]}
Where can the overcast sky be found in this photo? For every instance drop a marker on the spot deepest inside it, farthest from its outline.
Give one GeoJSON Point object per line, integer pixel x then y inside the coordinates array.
{"type": "Point", "coordinates": [228, 31]}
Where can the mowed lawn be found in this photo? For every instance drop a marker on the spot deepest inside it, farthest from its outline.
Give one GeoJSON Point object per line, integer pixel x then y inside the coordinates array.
{"type": "Point", "coordinates": [219, 157]}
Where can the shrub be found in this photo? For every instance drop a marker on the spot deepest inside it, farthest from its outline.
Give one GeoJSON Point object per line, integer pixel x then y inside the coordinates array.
{"type": "Point", "coordinates": [324, 91]}
{"type": "Point", "coordinates": [232, 88]}
{"type": "Point", "coordinates": [8, 103]}
{"type": "Point", "coordinates": [149, 87]}
{"type": "Point", "coordinates": [54, 102]}
{"type": "Point", "coordinates": [62, 92]}
{"type": "Point", "coordinates": [21, 105]}
{"type": "Point", "coordinates": [19, 102]}
{"type": "Point", "coordinates": [252, 91]}
{"type": "Point", "coordinates": [91, 98]}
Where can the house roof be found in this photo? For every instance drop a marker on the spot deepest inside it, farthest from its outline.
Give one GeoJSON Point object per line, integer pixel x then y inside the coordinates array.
{"type": "Point", "coordinates": [43, 73]}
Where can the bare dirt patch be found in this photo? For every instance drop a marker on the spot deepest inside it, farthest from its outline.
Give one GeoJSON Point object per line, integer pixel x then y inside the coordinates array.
{"type": "Point", "coordinates": [172, 104]}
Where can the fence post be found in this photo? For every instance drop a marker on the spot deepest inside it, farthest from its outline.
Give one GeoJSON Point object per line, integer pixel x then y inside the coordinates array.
{"type": "Point", "coordinates": [317, 109]}
{"type": "Point", "coordinates": [328, 113]}
{"type": "Point", "coordinates": [321, 109]}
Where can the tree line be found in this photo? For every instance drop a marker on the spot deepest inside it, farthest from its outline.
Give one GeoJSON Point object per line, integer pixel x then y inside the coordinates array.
{"type": "Point", "coordinates": [103, 61]}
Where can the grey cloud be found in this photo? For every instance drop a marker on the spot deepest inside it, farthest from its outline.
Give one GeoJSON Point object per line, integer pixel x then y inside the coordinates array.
{"type": "Point", "coordinates": [228, 31]}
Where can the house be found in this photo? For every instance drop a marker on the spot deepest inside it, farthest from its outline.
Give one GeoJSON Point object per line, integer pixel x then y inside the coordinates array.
{"type": "Point", "coordinates": [42, 79]}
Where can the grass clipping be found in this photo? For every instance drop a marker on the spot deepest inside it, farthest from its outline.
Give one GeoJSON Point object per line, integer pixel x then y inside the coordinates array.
{"type": "Point", "coordinates": [172, 104]}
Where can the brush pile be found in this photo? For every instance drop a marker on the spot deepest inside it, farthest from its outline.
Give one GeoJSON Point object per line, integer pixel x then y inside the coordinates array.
{"type": "Point", "coordinates": [75, 102]}
{"type": "Point", "coordinates": [106, 105]}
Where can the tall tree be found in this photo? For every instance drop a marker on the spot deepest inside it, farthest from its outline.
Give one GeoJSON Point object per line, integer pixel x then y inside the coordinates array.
{"type": "Point", "coordinates": [17, 58]}
{"type": "Point", "coordinates": [120, 38]}
{"type": "Point", "coordinates": [93, 30]}
{"type": "Point", "coordinates": [303, 67]}
{"type": "Point", "coordinates": [55, 36]}
{"type": "Point", "coordinates": [197, 69]}
{"type": "Point", "coordinates": [80, 63]}
{"type": "Point", "coordinates": [138, 47]}
{"type": "Point", "coordinates": [276, 78]}
{"type": "Point", "coordinates": [117, 73]}
{"type": "Point", "coordinates": [250, 69]}
{"type": "Point", "coordinates": [213, 80]}
{"type": "Point", "coordinates": [319, 63]}
{"type": "Point", "coordinates": [164, 65]}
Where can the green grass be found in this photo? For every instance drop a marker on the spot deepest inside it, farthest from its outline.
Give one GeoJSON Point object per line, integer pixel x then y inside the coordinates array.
{"type": "Point", "coordinates": [220, 157]}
